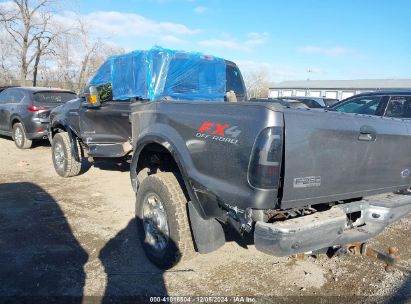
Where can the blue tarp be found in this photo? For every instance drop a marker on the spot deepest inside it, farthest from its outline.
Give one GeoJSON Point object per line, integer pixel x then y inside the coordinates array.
{"type": "Point", "coordinates": [161, 73]}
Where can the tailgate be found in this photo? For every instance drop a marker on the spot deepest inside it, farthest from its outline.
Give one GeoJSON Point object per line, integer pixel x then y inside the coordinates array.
{"type": "Point", "coordinates": [333, 156]}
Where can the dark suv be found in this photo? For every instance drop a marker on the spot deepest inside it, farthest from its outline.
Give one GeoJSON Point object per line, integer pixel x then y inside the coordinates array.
{"type": "Point", "coordinates": [395, 104]}
{"type": "Point", "coordinates": [24, 112]}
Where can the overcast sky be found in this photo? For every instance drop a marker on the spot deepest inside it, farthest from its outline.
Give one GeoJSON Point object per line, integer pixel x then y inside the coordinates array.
{"type": "Point", "coordinates": [334, 39]}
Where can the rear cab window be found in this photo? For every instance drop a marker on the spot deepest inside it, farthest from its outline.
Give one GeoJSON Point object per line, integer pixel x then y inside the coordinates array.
{"type": "Point", "coordinates": [234, 80]}
{"type": "Point", "coordinates": [194, 79]}
{"type": "Point", "coordinates": [45, 97]}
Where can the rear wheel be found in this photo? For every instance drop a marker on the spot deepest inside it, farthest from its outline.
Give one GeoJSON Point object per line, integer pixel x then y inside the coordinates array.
{"type": "Point", "coordinates": [161, 214]}
{"type": "Point", "coordinates": [64, 162]}
{"type": "Point", "coordinates": [20, 137]}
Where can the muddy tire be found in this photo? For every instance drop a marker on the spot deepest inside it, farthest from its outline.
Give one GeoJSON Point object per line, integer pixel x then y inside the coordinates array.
{"type": "Point", "coordinates": [64, 162]}
{"type": "Point", "coordinates": [162, 220]}
{"type": "Point", "coordinates": [20, 137]}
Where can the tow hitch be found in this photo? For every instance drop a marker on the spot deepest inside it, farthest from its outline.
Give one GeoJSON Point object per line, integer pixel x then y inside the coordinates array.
{"type": "Point", "coordinates": [390, 259]}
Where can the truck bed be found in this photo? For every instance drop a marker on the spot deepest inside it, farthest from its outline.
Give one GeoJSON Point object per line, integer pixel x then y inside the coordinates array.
{"type": "Point", "coordinates": [327, 156]}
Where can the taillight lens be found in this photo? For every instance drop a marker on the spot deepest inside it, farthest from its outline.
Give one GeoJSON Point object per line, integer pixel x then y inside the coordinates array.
{"type": "Point", "coordinates": [265, 164]}
{"type": "Point", "coordinates": [36, 109]}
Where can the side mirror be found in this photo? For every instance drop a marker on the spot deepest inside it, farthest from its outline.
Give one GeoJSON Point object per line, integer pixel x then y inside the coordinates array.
{"type": "Point", "coordinates": [92, 97]}
{"type": "Point", "coordinates": [231, 96]}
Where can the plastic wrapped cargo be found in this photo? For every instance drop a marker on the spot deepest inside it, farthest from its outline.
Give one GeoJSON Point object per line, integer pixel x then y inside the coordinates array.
{"type": "Point", "coordinates": [161, 73]}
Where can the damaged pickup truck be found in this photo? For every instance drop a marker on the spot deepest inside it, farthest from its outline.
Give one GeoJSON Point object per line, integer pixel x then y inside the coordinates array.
{"type": "Point", "coordinates": [297, 180]}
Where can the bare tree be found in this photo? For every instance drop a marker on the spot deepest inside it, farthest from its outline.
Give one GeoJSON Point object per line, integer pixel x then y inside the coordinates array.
{"type": "Point", "coordinates": [59, 53]}
{"type": "Point", "coordinates": [28, 24]}
{"type": "Point", "coordinates": [42, 48]}
{"type": "Point", "coordinates": [78, 54]}
{"type": "Point", "coordinates": [257, 82]}
{"type": "Point", "coordinates": [90, 47]}
{"type": "Point", "coordinates": [8, 64]}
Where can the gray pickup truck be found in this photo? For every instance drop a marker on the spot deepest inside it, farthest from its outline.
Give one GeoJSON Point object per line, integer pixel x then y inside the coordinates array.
{"type": "Point", "coordinates": [297, 180]}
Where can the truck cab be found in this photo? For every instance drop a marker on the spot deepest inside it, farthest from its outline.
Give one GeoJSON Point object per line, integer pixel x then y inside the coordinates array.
{"type": "Point", "coordinates": [103, 130]}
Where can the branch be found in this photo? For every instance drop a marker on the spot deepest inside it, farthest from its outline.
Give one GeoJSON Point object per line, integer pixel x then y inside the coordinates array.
{"type": "Point", "coordinates": [41, 4]}
{"type": "Point", "coordinates": [12, 33]}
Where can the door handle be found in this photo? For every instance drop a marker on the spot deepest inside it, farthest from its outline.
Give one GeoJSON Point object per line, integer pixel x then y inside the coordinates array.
{"type": "Point", "coordinates": [365, 137]}
{"type": "Point", "coordinates": [367, 133]}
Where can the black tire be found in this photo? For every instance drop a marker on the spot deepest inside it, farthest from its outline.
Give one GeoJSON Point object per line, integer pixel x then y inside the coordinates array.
{"type": "Point", "coordinates": [180, 246]}
{"type": "Point", "coordinates": [64, 162]}
{"type": "Point", "coordinates": [20, 137]}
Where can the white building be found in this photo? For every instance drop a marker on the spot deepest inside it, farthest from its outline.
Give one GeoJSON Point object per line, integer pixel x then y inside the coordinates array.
{"type": "Point", "coordinates": [337, 89]}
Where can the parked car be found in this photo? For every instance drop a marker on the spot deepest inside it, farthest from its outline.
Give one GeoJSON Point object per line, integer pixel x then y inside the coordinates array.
{"type": "Point", "coordinates": [297, 101]}
{"type": "Point", "coordinates": [291, 103]}
{"type": "Point", "coordinates": [394, 104]}
{"type": "Point", "coordinates": [104, 130]}
{"type": "Point", "coordinates": [24, 112]}
{"type": "Point", "coordinates": [6, 87]}
{"type": "Point", "coordinates": [314, 102]}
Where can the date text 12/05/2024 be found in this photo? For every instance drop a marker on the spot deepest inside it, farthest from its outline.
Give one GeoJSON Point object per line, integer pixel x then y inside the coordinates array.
{"type": "Point", "coordinates": [233, 299]}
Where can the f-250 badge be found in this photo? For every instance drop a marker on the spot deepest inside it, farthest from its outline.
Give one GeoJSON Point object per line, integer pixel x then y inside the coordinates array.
{"type": "Point", "coordinates": [219, 132]}
{"type": "Point", "coordinates": [305, 182]}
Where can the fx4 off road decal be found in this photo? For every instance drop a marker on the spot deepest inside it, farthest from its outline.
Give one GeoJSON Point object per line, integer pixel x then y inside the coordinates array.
{"type": "Point", "coordinates": [219, 132]}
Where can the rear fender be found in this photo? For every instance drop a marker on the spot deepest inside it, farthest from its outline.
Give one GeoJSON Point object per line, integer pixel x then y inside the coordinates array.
{"type": "Point", "coordinates": [14, 119]}
{"type": "Point", "coordinates": [176, 154]}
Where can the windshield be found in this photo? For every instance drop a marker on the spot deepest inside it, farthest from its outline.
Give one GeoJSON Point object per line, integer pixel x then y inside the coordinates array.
{"type": "Point", "coordinates": [53, 97]}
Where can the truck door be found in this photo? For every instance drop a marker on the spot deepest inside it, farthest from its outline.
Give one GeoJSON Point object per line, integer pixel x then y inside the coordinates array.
{"type": "Point", "coordinates": [332, 156]}
{"type": "Point", "coordinates": [106, 124]}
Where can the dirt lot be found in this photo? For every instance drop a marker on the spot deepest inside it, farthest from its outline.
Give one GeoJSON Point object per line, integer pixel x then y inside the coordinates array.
{"type": "Point", "coordinates": [77, 237]}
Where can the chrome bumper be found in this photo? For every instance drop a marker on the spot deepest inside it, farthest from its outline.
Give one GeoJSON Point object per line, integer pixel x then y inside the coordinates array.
{"type": "Point", "coordinates": [332, 227]}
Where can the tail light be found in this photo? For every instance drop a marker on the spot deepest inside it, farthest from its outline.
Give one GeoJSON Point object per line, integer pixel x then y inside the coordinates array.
{"type": "Point", "coordinates": [36, 109]}
{"type": "Point", "coordinates": [265, 164]}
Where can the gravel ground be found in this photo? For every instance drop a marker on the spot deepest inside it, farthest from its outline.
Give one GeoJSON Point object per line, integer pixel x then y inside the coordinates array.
{"type": "Point", "coordinates": [76, 237]}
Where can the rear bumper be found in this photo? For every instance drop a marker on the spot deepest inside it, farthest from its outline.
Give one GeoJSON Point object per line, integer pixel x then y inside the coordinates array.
{"type": "Point", "coordinates": [332, 227]}
{"type": "Point", "coordinates": [37, 128]}
{"type": "Point", "coordinates": [38, 135]}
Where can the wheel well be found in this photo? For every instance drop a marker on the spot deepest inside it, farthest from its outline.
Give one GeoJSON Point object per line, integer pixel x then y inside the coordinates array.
{"type": "Point", "coordinates": [14, 121]}
{"type": "Point", "coordinates": [57, 129]}
{"type": "Point", "coordinates": [154, 158]}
